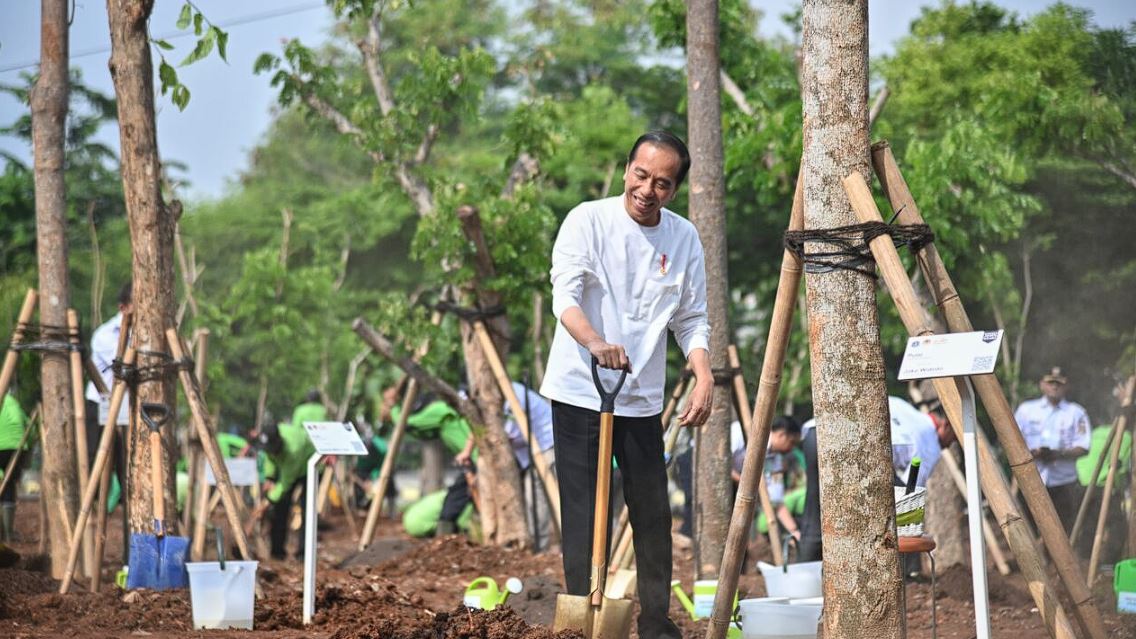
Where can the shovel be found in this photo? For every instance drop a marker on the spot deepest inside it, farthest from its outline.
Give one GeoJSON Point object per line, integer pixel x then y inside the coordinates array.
{"type": "Point", "coordinates": [157, 561]}
{"type": "Point", "coordinates": [594, 614]}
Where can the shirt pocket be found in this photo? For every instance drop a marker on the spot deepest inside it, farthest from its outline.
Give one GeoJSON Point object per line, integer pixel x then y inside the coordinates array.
{"type": "Point", "coordinates": [659, 299]}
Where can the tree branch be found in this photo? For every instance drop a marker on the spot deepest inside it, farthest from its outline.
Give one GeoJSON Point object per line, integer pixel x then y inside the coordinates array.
{"type": "Point", "coordinates": [1119, 172]}
{"type": "Point", "coordinates": [371, 48]}
{"type": "Point", "coordinates": [524, 169]}
{"type": "Point", "coordinates": [734, 91]}
{"type": "Point", "coordinates": [878, 105]}
{"type": "Point", "coordinates": [427, 144]}
{"type": "Point", "coordinates": [338, 120]}
{"type": "Point", "coordinates": [384, 347]}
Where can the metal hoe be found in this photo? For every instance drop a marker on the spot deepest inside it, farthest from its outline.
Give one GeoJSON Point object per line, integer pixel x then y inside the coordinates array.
{"type": "Point", "coordinates": [594, 614]}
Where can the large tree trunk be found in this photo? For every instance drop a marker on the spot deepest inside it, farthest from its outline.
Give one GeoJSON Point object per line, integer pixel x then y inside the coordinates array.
{"type": "Point", "coordinates": [946, 518]}
{"type": "Point", "coordinates": [707, 212]}
{"type": "Point", "coordinates": [862, 588]}
{"type": "Point", "coordinates": [499, 481]}
{"type": "Point", "coordinates": [49, 117]}
{"type": "Point", "coordinates": [152, 240]}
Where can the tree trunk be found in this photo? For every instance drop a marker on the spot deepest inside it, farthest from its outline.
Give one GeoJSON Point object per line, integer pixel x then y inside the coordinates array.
{"type": "Point", "coordinates": [49, 117]}
{"type": "Point", "coordinates": [152, 240]}
{"type": "Point", "coordinates": [498, 479]}
{"type": "Point", "coordinates": [862, 588]}
{"type": "Point", "coordinates": [433, 466]}
{"type": "Point", "coordinates": [708, 213]}
{"type": "Point", "coordinates": [946, 518]}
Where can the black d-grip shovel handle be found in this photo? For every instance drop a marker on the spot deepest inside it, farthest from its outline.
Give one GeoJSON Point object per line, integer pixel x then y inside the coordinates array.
{"type": "Point", "coordinates": [607, 399]}
{"type": "Point", "coordinates": [155, 415]}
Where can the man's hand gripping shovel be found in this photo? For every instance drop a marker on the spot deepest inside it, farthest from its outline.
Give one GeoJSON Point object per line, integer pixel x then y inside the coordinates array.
{"type": "Point", "coordinates": [594, 614]}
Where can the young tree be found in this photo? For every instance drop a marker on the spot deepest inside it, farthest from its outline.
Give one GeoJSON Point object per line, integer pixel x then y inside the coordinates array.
{"type": "Point", "coordinates": [862, 587]}
{"type": "Point", "coordinates": [49, 115]}
{"type": "Point", "coordinates": [707, 212]}
{"type": "Point", "coordinates": [152, 223]}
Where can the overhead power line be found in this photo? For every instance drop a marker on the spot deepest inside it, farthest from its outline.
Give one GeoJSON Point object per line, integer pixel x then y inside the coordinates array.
{"type": "Point", "coordinates": [234, 22]}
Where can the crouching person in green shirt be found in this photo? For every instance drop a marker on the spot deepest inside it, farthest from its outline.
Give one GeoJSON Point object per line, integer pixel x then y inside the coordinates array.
{"type": "Point", "coordinates": [287, 449]}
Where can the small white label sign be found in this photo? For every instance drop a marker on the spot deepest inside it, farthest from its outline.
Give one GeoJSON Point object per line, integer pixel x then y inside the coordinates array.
{"type": "Point", "coordinates": [242, 472]}
{"type": "Point", "coordinates": [950, 355]}
{"type": "Point", "coordinates": [335, 438]}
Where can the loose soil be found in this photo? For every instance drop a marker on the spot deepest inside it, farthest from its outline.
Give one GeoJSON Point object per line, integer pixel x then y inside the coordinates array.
{"type": "Point", "coordinates": [403, 588]}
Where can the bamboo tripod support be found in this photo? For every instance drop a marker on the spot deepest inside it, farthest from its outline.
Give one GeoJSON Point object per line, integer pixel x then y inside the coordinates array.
{"type": "Point", "coordinates": [234, 508]}
{"type": "Point", "coordinates": [994, 484]}
{"type": "Point", "coordinates": [19, 449]}
{"type": "Point", "coordinates": [547, 478]}
{"type": "Point", "coordinates": [741, 404]}
{"type": "Point", "coordinates": [768, 387]}
{"type": "Point", "coordinates": [1110, 481]}
{"type": "Point", "coordinates": [104, 477]}
{"type": "Point", "coordinates": [1117, 427]}
{"type": "Point", "coordinates": [959, 480]}
{"type": "Point", "coordinates": [378, 494]}
{"type": "Point", "coordinates": [13, 354]}
{"type": "Point", "coordinates": [993, 399]}
{"type": "Point", "coordinates": [79, 404]}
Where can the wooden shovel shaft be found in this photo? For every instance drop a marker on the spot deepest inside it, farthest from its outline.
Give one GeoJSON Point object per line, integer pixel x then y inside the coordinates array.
{"type": "Point", "coordinates": [156, 483]}
{"type": "Point", "coordinates": [600, 523]}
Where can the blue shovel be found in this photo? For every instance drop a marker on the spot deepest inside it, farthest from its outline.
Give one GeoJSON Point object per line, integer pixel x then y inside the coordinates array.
{"type": "Point", "coordinates": [157, 561]}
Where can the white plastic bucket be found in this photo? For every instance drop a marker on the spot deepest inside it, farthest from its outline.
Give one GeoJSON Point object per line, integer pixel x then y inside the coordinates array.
{"type": "Point", "coordinates": [779, 618]}
{"type": "Point", "coordinates": [222, 598]}
{"type": "Point", "coordinates": [800, 580]}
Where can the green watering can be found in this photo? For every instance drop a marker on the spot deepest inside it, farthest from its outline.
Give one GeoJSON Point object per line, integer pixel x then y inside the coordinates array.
{"type": "Point", "coordinates": [704, 594]}
{"type": "Point", "coordinates": [483, 592]}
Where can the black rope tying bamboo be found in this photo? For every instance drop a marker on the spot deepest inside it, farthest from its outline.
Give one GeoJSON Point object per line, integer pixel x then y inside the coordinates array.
{"type": "Point", "coordinates": [138, 374]}
{"type": "Point", "coordinates": [45, 338]}
{"type": "Point", "coordinates": [851, 252]}
{"type": "Point", "coordinates": [725, 376]}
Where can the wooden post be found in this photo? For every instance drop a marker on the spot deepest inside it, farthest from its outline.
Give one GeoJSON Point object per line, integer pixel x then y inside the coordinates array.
{"type": "Point", "coordinates": [1109, 482]}
{"type": "Point", "coordinates": [780, 326]}
{"type": "Point", "coordinates": [105, 442]}
{"type": "Point", "coordinates": [1083, 509]}
{"type": "Point", "coordinates": [387, 470]}
{"type": "Point", "coordinates": [551, 486]}
{"type": "Point", "coordinates": [16, 454]}
{"type": "Point", "coordinates": [741, 401]}
{"type": "Point", "coordinates": [79, 402]}
{"type": "Point", "coordinates": [234, 509]}
{"type": "Point", "coordinates": [999, 410]}
{"type": "Point", "coordinates": [12, 356]}
{"type": "Point", "coordinates": [959, 480]}
{"type": "Point", "coordinates": [993, 482]}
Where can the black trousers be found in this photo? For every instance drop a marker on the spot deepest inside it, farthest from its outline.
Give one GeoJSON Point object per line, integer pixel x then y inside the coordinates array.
{"type": "Point", "coordinates": [637, 443]}
{"type": "Point", "coordinates": [9, 494]}
{"type": "Point", "coordinates": [281, 512]}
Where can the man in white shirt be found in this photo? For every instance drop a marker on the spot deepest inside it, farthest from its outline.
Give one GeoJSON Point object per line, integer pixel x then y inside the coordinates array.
{"type": "Point", "coordinates": [1058, 433]}
{"type": "Point", "coordinates": [916, 434]}
{"type": "Point", "coordinates": [624, 271]}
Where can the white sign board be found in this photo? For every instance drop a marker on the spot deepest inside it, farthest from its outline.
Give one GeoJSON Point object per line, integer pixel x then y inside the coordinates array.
{"type": "Point", "coordinates": [335, 438]}
{"type": "Point", "coordinates": [242, 472]}
{"type": "Point", "coordinates": [950, 355]}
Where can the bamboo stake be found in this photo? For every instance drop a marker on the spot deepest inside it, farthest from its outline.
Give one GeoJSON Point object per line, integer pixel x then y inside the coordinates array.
{"type": "Point", "coordinates": [105, 442]}
{"type": "Point", "coordinates": [1109, 482]}
{"type": "Point", "coordinates": [201, 512]}
{"type": "Point", "coordinates": [1083, 509]}
{"type": "Point", "coordinates": [551, 486]}
{"type": "Point", "coordinates": [993, 482]}
{"type": "Point", "coordinates": [741, 400]}
{"type": "Point", "coordinates": [387, 470]}
{"type": "Point", "coordinates": [766, 402]}
{"type": "Point", "coordinates": [11, 357]}
{"type": "Point", "coordinates": [16, 454]}
{"type": "Point", "coordinates": [104, 476]}
{"type": "Point", "coordinates": [993, 399]}
{"type": "Point", "coordinates": [234, 508]}
{"type": "Point", "coordinates": [323, 489]}
{"type": "Point", "coordinates": [992, 544]}
{"type": "Point", "coordinates": [79, 404]}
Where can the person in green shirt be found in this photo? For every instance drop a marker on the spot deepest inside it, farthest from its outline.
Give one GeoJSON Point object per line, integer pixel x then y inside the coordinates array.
{"type": "Point", "coordinates": [1116, 526]}
{"type": "Point", "coordinates": [312, 410]}
{"type": "Point", "coordinates": [287, 449]}
{"type": "Point", "coordinates": [13, 421]}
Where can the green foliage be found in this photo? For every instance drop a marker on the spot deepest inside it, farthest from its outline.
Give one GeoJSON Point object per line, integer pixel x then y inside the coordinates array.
{"type": "Point", "coordinates": [208, 36]}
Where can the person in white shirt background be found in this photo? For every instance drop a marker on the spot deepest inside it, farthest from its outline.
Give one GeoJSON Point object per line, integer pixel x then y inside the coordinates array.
{"type": "Point", "coordinates": [540, 429]}
{"type": "Point", "coordinates": [624, 271]}
{"type": "Point", "coordinates": [1057, 432]}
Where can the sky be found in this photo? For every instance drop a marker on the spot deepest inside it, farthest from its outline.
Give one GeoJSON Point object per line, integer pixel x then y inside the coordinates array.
{"type": "Point", "coordinates": [231, 108]}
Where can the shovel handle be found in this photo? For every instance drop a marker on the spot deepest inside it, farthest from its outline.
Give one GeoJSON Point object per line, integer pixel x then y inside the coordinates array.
{"type": "Point", "coordinates": [607, 398]}
{"type": "Point", "coordinates": [155, 415]}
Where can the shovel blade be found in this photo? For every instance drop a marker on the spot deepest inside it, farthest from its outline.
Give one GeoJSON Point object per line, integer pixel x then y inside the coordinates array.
{"type": "Point", "coordinates": [157, 562]}
{"type": "Point", "coordinates": [610, 620]}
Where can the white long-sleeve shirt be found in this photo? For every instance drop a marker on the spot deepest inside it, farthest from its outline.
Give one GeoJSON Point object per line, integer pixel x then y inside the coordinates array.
{"type": "Point", "coordinates": [1061, 427]}
{"type": "Point", "coordinates": [632, 282]}
{"type": "Point", "coordinates": [540, 424]}
{"type": "Point", "coordinates": [104, 346]}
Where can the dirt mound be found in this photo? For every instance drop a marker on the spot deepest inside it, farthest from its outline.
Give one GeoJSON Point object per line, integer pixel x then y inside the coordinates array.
{"type": "Point", "coordinates": [379, 551]}
{"type": "Point", "coordinates": [1010, 591]}
{"type": "Point", "coordinates": [536, 604]}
